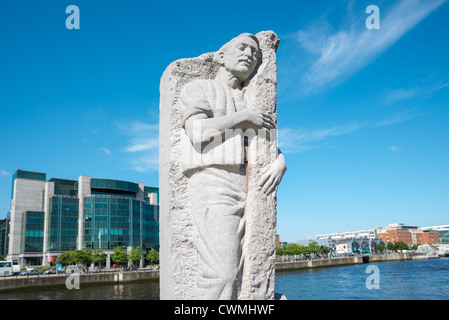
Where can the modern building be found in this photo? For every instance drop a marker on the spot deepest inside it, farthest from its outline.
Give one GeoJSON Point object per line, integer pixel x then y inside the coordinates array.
{"type": "Point", "coordinates": [4, 231]}
{"type": "Point", "coordinates": [49, 217]}
{"type": "Point", "coordinates": [443, 231]}
{"type": "Point", "coordinates": [348, 235]}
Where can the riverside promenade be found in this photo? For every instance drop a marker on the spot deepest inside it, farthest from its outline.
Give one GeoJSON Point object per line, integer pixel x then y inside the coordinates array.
{"type": "Point", "coordinates": [349, 260]}
{"type": "Point", "coordinates": [118, 277]}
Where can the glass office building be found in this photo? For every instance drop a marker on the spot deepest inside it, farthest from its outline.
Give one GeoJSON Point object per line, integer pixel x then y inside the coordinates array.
{"type": "Point", "coordinates": [4, 231]}
{"type": "Point", "coordinates": [50, 217]}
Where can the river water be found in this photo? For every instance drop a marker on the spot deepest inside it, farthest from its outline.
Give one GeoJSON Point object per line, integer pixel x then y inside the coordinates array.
{"type": "Point", "coordinates": [402, 280]}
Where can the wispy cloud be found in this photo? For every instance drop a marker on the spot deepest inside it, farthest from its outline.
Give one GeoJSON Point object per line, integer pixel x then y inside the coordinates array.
{"type": "Point", "coordinates": [414, 91]}
{"type": "Point", "coordinates": [293, 140]}
{"type": "Point", "coordinates": [394, 148]}
{"type": "Point", "coordinates": [344, 53]}
{"type": "Point", "coordinates": [143, 144]}
{"type": "Point", "coordinates": [398, 118]}
{"type": "Point", "coordinates": [106, 150]}
{"type": "Point", "coordinates": [4, 173]}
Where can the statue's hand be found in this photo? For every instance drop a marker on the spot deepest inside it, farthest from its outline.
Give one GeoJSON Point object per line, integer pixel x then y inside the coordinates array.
{"type": "Point", "coordinates": [272, 176]}
{"type": "Point", "coordinates": [254, 119]}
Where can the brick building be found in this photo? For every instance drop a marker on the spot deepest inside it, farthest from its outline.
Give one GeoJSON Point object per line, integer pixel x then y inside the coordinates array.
{"type": "Point", "coordinates": [408, 234]}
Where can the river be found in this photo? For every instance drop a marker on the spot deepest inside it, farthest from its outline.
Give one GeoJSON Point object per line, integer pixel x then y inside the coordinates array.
{"type": "Point", "coordinates": [401, 280]}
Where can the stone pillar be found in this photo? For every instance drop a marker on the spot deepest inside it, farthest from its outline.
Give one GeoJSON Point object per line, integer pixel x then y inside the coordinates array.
{"type": "Point", "coordinates": [184, 225]}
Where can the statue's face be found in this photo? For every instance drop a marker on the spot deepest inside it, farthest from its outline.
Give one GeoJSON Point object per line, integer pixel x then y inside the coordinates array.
{"type": "Point", "coordinates": [242, 57]}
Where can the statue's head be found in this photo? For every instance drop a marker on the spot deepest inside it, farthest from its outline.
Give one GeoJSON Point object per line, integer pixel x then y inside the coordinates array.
{"type": "Point", "coordinates": [240, 56]}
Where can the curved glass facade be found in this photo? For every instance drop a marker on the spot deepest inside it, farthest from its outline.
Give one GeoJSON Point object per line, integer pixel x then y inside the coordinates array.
{"type": "Point", "coordinates": [111, 221]}
{"type": "Point", "coordinates": [114, 185]}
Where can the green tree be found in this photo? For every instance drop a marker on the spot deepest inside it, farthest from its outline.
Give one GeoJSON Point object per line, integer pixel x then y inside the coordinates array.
{"type": "Point", "coordinates": [152, 256]}
{"type": "Point", "coordinates": [296, 249]}
{"type": "Point", "coordinates": [400, 245]}
{"type": "Point", "coordinates": [380, 248]}
{"type": "Point", "coordinates": [119, 255]}
{"type": "Point", "coordinates": [415, 247]}
{"type": "Point", "coordinates": [135, 256]}
{"type": "Point", "coordinates": [66, 258]}
{"type": "Point", "coordinates": [390, 246]}
{"type": "Point", "coordinates": [99, 256]}
{"type": "Point", "coordinates": [84, 256]}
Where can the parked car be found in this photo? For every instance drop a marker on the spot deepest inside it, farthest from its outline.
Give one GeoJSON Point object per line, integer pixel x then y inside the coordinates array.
{"type": "Point", "coordinates": [51, 271]}
{"type": "Point", "coordinates": [31, 272]}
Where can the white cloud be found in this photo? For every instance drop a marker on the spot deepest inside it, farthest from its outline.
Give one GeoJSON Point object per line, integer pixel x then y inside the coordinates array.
{"type": "Point", "coordinates": [343, 53]}
{"type": "Point", "coordinates": [415, 91]}
{"type": "Point", "coordinates": [292, 140]}
{"type": "Point", "coordinates": [106, 150]}
{"type": "Point", "coordinates": [397, 118]}
{"type": "Point", "coordinates": [143, 145]}
{"type": "Point", "coordinates": [394, 148]}
{"type": "Point", "coordinates": [4, 173]}
{"type": "Point", "coordinates": [145, 163]}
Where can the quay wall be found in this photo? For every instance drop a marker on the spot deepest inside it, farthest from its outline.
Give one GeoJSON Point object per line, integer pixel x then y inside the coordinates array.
{"type": "Point", "coordinates": [341, 261]}
{"type": "Point", "coordinates": [14, 282]}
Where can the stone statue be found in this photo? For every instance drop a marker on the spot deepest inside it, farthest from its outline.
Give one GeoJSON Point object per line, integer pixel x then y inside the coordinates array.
{"type": "Point", "coordinates": [219, 172]}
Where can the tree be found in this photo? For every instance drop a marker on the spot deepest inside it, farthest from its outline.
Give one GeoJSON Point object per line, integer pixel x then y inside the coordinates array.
{"type": "Point", "coordinates": [296, 249]}
{"type": "Point", "coordinates": [401, 246]}
{"type": "Point", "coordinates": [390, 246]}
{"type": "Point", "coordinates": [380, 248]}
{"type": "Point", "coordinates": [119, 255]}
{"type": "Point", "coordinates": [152, 256]}
{"type": "Point", "coordinates": [84, 256]}
{"type": "Point", "coordinates": [415, 247]}
{"type": "Point", "coordinates": [99, 256]}
{"type": "Point", "coordinates": [66, 258]}
{"type": "Point", "coordinates": [135, 255]}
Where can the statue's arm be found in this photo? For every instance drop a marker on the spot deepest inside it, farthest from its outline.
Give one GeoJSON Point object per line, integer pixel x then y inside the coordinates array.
{"type": "Point", "coordinates": [202, 129]}
{"type": "Point", "coordinates": [200, 124]}
{"type": "Point", "coordinates": [273, 174]}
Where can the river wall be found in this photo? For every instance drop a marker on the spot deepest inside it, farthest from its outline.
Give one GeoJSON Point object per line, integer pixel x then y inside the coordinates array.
{"type": "Point", "coordinates": [16, 282]}
{"type": "Point", "coordinates": [50, 280]}
{"type": "Point", "coordinates": [341, 261]}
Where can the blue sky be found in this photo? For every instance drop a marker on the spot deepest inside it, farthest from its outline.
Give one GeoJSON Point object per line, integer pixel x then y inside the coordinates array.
{"type": "Point", "coordinates": [362, 114]}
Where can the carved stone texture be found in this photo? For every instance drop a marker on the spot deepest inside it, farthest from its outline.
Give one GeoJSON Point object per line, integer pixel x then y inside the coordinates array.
{"type": "Point", "coordinates": [217, 218]}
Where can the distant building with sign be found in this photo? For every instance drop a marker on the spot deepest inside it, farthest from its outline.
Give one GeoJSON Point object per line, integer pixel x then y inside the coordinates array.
{"type": "Point", "coordinates": [396, 232]}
